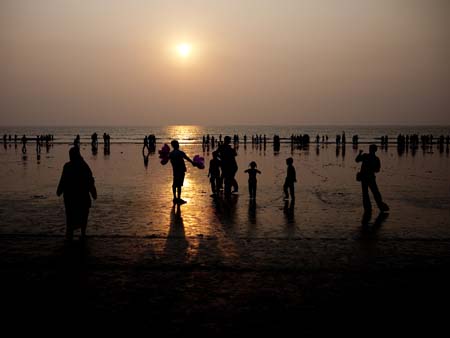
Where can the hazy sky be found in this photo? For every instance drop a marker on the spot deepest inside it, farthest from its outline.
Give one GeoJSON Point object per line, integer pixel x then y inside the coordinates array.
{"type": "Point", "coordinates": [114, 62]}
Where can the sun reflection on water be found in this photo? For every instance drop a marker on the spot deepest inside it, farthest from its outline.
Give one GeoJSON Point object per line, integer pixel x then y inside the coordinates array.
{"type": "Point", "coordinates": [184, 134]}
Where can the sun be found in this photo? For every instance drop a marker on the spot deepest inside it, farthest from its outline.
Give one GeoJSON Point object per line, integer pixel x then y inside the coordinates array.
{"type": "Point", "coordinates": [184, 49]}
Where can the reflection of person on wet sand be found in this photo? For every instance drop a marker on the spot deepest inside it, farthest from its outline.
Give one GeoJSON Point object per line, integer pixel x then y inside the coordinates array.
{"type": "Point", "coordinates": [370, 165]}
{"type": "Point", "coordinates": [372, 229]}
{"type": "Point", "coordinates": [145, 159]}
{"type": "Point", "coordinates": [288, 210]}
{"type": "Point", "coordinates": [77, 186]}
{"type": "Point", "coordinates": [176, 222]}
{"type": "Point", "coordinates": [176, 243]}
{"type": "Point", "coordinates": [289, 215]}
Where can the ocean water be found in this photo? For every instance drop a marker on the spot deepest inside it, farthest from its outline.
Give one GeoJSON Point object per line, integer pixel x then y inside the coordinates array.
{"type": "Point", "coordinates": [136, 200]}
{"type": "Point", "coordinates": [193, 134]}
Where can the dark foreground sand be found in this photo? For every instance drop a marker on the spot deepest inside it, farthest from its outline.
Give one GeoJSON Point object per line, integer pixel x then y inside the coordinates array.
{"type": "Point", "coordinates": [356, 286]}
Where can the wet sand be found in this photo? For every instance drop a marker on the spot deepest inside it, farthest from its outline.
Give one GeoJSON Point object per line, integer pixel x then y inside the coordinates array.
{"type": "Point", "coordinates": [227, 267]}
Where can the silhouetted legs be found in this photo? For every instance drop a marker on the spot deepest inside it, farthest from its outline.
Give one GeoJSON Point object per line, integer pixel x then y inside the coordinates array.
{"type": "Point", "coordinates": [76, 218]}
{"type": "Point", "coordinates": [228, 182]}
{"type": "Point", "coordinates": [215, 185]}
{"type": "Point", "coordinates": [252, 189]}
{"type": "Point", "coordinates": [288, 188]}
{"type": "Point", "coordinates": [176, 193]}
{"type": "Point", "coordinates": [372, 185]}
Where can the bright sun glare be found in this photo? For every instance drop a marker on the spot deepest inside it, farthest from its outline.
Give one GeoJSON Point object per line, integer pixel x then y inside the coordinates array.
{"type": "Point", "coordinates": [184, 49]}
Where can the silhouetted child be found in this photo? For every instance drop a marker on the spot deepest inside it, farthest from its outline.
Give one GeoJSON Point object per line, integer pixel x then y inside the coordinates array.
{"type": "Point", "coordinates": [177, 157]}
{"type": "Point", "coordinates": [214, 174]}
{"type": "Point", "coordinates": [252, 172]}
{"type": "Point", "coordinates": [291, 178]}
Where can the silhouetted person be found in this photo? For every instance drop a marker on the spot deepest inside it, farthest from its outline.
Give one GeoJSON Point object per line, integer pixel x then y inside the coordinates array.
{"type": "Point", "coordinates": [77, 142]}
{"type": "Point", "coordinates": [77, 186]}
{"type": "Point", "coordinates": [38, 146]}
{"type": "Point", "coordinates": [177, 157]}
{"type": "Point", "coordinates": [291, 178]}
{"type": "Point", "coordinates": [370, 165]}
{"type": "Point", "coordinates": [24, 144]}
{"type": "Point", "coordinates": [94, 143]}
{"type": "Point", "coordinates": [214, 174]}
{"type": "Point", "coordinates": [252, 181]}
{"type": "Point", "coordinates": [229, 166]}
{"type": "Point", "coordinates": [145, 144]}
{"type": "Point", "coordinates": [106, 144]}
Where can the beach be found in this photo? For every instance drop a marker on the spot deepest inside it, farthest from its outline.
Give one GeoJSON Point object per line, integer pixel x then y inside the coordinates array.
{"type": "Point", "coordinates": [228, 266]}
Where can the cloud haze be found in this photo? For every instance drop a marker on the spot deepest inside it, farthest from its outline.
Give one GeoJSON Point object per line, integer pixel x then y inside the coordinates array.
{"type": "Point", "coordinates": [262, 62]}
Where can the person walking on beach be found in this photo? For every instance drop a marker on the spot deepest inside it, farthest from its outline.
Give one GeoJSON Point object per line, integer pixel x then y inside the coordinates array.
{"type": "Point", "coordinates": [370, 165]}
{"type": "Point", "coordinates": [177, 157]}
{"type": "Point", "coordinates": [252, 172]}
{"type": "Point", "coordinates": [77, 186]}
{"type": "Point", "coordinates": [214, 174]}
{"type": "Point", "coordinates": [291, 178]}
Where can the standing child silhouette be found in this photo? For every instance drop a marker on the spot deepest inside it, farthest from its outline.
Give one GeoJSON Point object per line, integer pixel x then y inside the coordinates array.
{"type": "Point", "coordinates": [214, 174]}
{"type": "Point", "coordinates": [291, 178]}
{"type": "Point", "coordinates": [252, 172]}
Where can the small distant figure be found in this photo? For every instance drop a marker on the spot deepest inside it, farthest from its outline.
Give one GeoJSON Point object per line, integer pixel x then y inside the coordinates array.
{"type": "Point", "coordinates": [177, 157]}
{"type": "Point", "coordinates": [370, 165]}
{"type": "Point", "coordinates": [106, 144]}
{"type": "Point", "coordinates": [145, 144]}
{"type": "Point", "coordinates": [214, 174]}
{"type": "Point", "coordinates": [77, 186]}
{"type": "Point", "coordinates": [291, 178]}
{"type": "Point", "coordinates": [94, 142]}
{"type": "Point", "coordinates": [77, 141]}
{"type": "Point", "coordinates": [38, 145]}
{"type": "Point", "coordinates": [252, 172]}
{"type": "Point", "coordinates": [24, 144]}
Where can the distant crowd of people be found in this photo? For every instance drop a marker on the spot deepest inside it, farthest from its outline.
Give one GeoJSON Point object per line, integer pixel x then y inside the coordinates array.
{"type": "Point", "coordinates": [41, 140]}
